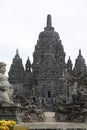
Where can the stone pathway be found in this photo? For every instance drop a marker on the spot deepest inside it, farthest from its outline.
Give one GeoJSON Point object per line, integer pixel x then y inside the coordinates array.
{"type": "Point", "coordinates": [54, 125]}
{"type": "Point", "coordinates": [50, 116]}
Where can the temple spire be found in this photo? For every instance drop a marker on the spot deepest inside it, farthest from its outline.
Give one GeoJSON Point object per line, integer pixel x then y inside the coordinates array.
{"type": "Point", "coordinates": [69, 66]}
{"type": "Point", "coordinates": [17, 54]}
{"type": "Point", "coordinates": [69, 58]}
{"type": "Point", "coordinates": [28, 65]}
{"type": "Point", "coordinates": [79, 52]}
{"type": "Point", "coordinates": [49, 24]}
{"type": "Point", "coordinates": [49, 21]}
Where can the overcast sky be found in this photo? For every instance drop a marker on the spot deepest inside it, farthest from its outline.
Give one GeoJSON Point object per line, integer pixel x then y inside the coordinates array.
{"type": "Point", "coordinates": [21, 21]}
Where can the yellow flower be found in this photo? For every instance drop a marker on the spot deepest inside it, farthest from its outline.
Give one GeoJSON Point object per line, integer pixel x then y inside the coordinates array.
{"type": "Point", "coordinates": [2, 128]}
{"type": "Point", "coordinates": [5, 125]}
{"type": "Point", "coordinates": [11, 123]}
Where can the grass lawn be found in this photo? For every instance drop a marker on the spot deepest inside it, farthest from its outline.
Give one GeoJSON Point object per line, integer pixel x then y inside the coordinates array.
{"type": "Point", "coordinates": [21, 128]}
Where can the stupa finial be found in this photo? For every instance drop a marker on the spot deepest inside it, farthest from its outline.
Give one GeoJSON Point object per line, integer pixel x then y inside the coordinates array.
{"type": "Point", "coordinates": [49, 21]}
{"type": "Point", "coordinates": [79, 52]}
{"type": "Point", "coordinates": [17, 53]}
{"type": "Point", "coordinates": [49, 24]}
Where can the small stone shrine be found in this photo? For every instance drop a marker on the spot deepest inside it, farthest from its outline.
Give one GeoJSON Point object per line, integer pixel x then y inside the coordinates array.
{"type": "Point", "coordinates": [74, 108]}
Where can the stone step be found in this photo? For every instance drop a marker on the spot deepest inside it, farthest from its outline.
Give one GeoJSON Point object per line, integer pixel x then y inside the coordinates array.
{"type": "Point", "coordinates": [49, 116]}
{"type": "Point", "coordinates": [50, 120]}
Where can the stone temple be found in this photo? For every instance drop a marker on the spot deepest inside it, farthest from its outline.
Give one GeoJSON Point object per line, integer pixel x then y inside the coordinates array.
{"type": "Point", "coordinates": [45, 80]}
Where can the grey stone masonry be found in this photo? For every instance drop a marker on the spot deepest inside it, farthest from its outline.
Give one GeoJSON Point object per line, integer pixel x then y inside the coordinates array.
{"type": "Point", "coordinates": [49, 64]}
{"type": "Point", "coordinates": [80, 65]}
{"type": "Point", "coordinates": [16, 73]}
